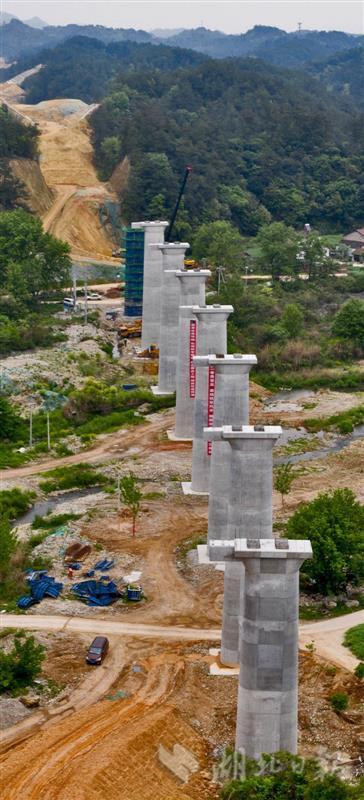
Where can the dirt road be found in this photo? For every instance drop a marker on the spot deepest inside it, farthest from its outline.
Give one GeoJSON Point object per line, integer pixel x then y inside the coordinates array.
{"type": "Point", "coordinates": [110, 445]}
{"type": "Point", "coordinates": [326, 634]}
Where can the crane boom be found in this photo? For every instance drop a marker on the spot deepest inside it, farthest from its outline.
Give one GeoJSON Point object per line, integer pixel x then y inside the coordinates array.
{"type": "Point", "coordinates": [175, 212]}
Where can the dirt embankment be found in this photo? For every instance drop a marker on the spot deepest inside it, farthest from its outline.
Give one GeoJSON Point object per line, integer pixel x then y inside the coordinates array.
{"type": "Point", "coordinates": [40, 197]}
{"type": "Point", "coordinates": [72, 201]}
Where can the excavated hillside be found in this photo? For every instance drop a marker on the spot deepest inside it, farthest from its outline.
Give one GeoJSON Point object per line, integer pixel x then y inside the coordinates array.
{"type": "Point", "coordinates": [73, 203]}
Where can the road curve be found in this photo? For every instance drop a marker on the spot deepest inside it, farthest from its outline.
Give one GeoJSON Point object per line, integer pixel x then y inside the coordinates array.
{"type": "Point", "coordinates": [327, 635]}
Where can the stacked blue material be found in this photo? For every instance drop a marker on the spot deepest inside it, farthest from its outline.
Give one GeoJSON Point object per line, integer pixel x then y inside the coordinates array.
{"type": "Point", "coordinates": [97, 593]}
{"type": "Point", "coordinates": [105, 563]}
{"type": "Point", "coordinates": [41, 585]}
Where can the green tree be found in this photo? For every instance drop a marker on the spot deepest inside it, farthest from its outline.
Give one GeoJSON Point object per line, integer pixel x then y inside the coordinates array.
{"type": "Point", "coordinates": [9, 420]}
{"type": "Point", "coordinates": [278, 243]}
{"type": "Point", "coordinates": [292, 320]}
{"type": "Point", "coordinates": [349, 321]}
{"type": "Point", "coordinates": [22, 664]}
{"type": "Point", "coordinates": [13, 193]}
{"type": "Point", "coordinates": [283, 478]}
{"type": "Point", "coordinates": [220, 243]}
{"type": "Point", "coordinates": [43, 261]}
{"type": "Point", "coordinates": [280, 776]}
{"type": "Point", "coordinates": [7, 546]}
{"type": "Point", "coordinates": [131, 496]}
{"type": "Point", "coordinates": [334, 523]}
{"type": "Point", "coordinates": [110, 150]}
{"type": "Point", "coordinates": [315, 259]}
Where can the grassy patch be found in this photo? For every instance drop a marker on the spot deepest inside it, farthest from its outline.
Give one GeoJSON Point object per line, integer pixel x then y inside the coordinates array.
{"type": "Point", "coordinates": [190, 544]}
{"type": "Point", "coordinates": [52, 522]}
{"type": "Point", "coordinates": [109, 422]}
{"type": "Point", "coordinates": [344, 422]}
{"type": "Point", "coordinates": [298, 446]}
{"type": "Point", "coordinates": [14, 502]}
{"type": "Point", "coordinates": [78, 476]}
{"type": "Point", "coordinates": [347, 379]}
{"type": "Point", "coordinates": [354, 639]}
{"type": "Point", "coordinates": [153, 495]}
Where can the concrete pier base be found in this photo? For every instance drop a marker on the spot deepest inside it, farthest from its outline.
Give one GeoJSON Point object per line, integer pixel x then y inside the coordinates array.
{"type": "Point", "coordinates": [187, 489]}
{"type": "Point", "coordinates": [159, 392]}
{"type": "Point", "coordinates": [173, 438]}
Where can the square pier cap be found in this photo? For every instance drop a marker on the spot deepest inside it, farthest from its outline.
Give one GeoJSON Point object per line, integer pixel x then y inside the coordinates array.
{"type": "Point", "coordinates": [215, 309]}
{"type": "Point", "coordinates": [251, 432]}
{"type": "Point", "coordinates": [235, 360]}
{"type": "Point", "coordinates": [236, 549]}
{"type": "Point", "coordinates": [150, 224]}
{"type": "Point", "coordinates": [193, 273]}
{"type": "Point", "coordinates": [170, 247]}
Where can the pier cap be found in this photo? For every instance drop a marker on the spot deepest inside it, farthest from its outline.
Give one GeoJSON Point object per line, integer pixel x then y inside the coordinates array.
{"type": "Point", "coordinates": [234, 360]}
{"type": "Point", "coordinates": [234, 549]}
{"type": "Point", "coordinates": [251, 432]}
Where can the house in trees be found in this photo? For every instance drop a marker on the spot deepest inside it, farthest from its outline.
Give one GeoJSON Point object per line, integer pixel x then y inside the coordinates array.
{"type": "Point", "coordinates": [355, 240]}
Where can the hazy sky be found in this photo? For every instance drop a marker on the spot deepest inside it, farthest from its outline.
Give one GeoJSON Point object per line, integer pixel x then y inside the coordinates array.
{"type": "Point", "coordinates": [232, 16]}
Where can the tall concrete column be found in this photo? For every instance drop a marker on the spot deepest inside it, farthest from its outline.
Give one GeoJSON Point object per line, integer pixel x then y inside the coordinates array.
{"type": "Point", "coordinates": [153, 260]}
{"type": "Point", "coordinates": [250, 514]}
{"type": "Point", "coordinates": [173, 262]}
{"type": "Point", "coordinates": [268, 678]}
{"type": "Point", "coordinates": [211, 338]}
{"type": "Point", "coordinates": [230, 407]}
{"type": "Point", "coordinates": [193, 287]}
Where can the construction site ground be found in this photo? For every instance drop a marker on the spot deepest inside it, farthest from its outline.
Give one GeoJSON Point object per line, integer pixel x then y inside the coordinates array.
{"type": "Point", "coordinates": [168, 720]}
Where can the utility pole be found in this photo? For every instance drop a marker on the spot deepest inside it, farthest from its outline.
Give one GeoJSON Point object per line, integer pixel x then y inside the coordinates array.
{"type": "Point", "coordinates": [74, 279]}
{"type": "Point", "coordinates": [86, 309]}
{"type": "Point", "coordinates": [31, 427]}
{"type": "Point", "coordinates": [48, 432]}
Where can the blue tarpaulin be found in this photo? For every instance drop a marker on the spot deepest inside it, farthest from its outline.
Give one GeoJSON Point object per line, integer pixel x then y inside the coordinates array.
{"type": "Point", "coordinates": [105, 563]}
{"type": "Point", "coordinates": [41, 585]}
{"type": "Point", "coordinates": [97, 593]}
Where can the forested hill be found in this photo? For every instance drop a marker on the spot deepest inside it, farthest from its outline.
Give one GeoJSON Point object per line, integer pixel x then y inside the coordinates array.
{"type": "Point", "coordinates": [84, 67]}
{"type": "Point", "coordinates": [18, 39]}
{"type": "Point", "coordinates": [264, 143]}
{"type": "Point", "coordinates": [343, 73]}
{"type": "Point", "coordinates": [270, 44]}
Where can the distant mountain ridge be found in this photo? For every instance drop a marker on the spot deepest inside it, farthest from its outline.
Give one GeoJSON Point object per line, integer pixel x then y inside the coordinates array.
{"type": "Point", "coordinates": [268, 43]}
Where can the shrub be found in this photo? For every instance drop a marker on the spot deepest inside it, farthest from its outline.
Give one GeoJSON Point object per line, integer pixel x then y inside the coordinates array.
{"type": "Point", "coordinates": [14, 502]}
{"type": "Point", "coordinates": [22, 665]}
{"type": "Point", "coordinates": [339, 701]}
{"type": "Point", "coordinates": [334, 523]}
{"type": "Point", "coordinates": [354, 639]}
{"type": "Point", "coordinates": [359, 670]}
{"type": "Point", "coordinates": [349, 321]}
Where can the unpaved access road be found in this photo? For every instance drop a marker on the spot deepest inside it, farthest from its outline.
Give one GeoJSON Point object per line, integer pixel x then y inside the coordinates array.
{"type": "Point", "coordinates": [110, 445]}
{"type": "Point", "coordinates": [326, 634]}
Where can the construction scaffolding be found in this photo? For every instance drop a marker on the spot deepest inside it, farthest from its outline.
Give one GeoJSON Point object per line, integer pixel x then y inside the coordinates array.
{"type": "Point", "coordinates": [133, 252]}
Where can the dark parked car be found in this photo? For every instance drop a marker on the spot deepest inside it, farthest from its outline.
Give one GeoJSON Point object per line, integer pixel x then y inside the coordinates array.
{"type": "Point", "coordinates": [97, 650]}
